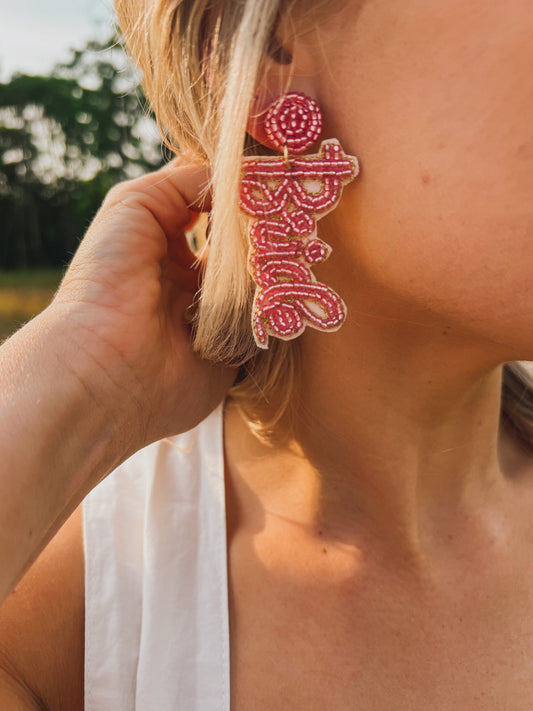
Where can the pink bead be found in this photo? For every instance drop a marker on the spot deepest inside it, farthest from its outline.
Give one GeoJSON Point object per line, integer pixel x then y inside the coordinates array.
{"type": "Point", "coordinates": [316, 251]}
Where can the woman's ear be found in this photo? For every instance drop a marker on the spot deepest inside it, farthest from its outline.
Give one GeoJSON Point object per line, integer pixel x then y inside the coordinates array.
{"type": "Point", "coordinates": [256, 122]}
{"type": "Point", "coordinates": [287, 67]}
{"type": "Point", "coordinates": [274, 80]}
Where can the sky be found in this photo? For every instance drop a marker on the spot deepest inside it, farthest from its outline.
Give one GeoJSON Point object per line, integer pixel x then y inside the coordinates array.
{"type": "Point", "coordinates": [35, 34]}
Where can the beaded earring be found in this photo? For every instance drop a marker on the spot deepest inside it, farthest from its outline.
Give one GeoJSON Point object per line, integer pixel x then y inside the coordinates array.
{"type": "Point", "coordinates": [285, 196]}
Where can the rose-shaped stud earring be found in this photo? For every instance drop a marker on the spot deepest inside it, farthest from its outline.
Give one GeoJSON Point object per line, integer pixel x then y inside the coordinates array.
{"type": "Point", "coordinates": [285, 196]}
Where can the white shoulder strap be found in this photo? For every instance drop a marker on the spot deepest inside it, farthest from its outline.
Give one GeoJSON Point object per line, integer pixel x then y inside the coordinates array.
{"type": "Point", "coordinates": [157, 632]}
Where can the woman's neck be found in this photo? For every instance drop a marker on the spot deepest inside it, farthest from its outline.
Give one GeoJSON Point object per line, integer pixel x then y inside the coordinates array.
{"type": "Point", "coordinates": [394, 441]}
{"type": "Point", "coordinates": [402, 434]}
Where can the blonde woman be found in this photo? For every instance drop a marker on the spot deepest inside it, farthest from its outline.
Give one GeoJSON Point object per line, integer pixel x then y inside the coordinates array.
{"type": "Point", "coordinates": [349, 525]}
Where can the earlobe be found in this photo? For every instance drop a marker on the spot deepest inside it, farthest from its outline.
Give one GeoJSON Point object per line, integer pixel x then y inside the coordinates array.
{"type": "Point", "coordinates": [256, 122]}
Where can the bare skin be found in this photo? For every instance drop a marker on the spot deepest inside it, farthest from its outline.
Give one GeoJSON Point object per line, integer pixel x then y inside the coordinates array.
{"type": "Point", "coordinates": [42, 629]}
{"type": "Point", "coordinates": [382, 560]}
{"type": "Point", "coordinates": [340, 617]}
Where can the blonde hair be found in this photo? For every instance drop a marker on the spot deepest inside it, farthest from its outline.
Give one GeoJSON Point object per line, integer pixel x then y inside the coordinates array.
{"type": "Point", "coordinates": [201, 62]}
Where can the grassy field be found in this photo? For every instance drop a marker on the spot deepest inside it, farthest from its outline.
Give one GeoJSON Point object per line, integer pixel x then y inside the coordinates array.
{"type": "Point", "coordinates": [23, 294]}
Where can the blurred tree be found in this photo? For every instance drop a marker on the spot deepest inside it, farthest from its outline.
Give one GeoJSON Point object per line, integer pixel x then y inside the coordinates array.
{"type": "Point", "coordinates": [64, 140]}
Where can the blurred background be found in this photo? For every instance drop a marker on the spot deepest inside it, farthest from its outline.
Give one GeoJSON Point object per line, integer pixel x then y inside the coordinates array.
{"type": "Point", "coordinates": [73, 121]}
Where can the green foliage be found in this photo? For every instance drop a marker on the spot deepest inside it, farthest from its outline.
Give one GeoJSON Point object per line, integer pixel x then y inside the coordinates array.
{"type": "Point", "coordinates": [46, 278]}
{"type": "Point", "coordinates": [23, 294]}
{"type": "Point", "coordinates": [65, 139]}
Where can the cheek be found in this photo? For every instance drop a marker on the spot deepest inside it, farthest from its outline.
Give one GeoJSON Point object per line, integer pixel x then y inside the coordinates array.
{"type": "Point", "coordinates": [440, 114]}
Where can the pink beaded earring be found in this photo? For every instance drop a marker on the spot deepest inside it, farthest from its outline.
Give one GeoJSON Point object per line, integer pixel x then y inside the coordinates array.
{"type": "Point", "coordinates": [285, 196]}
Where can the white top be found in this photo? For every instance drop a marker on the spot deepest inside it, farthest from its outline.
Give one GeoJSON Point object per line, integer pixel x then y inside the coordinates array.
{"type": "Point", "coordinates": [156, 594]}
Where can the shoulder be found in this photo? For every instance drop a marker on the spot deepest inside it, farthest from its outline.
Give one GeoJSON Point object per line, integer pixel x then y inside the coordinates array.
{"type": "Point", "coordinates": [42, 629]}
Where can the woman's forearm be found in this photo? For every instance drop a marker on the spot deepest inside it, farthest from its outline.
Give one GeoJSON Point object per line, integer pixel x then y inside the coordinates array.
{"type": "Point", "coordinates": [61, 431]}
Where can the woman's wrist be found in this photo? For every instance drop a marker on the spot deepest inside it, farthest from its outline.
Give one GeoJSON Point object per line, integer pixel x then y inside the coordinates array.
{"type": "Point", "coordinates": [94, 377]}
{"type": "Point", "coordinates": [63, 428]}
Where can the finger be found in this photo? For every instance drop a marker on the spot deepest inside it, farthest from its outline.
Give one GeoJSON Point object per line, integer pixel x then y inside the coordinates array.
{"type": "Point", "coordinates": [171, 194]}
{"type": "Point", "coordinates": [188, 181]}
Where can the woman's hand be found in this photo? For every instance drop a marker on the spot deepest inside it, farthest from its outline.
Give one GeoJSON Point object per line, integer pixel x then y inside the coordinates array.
{"type": "Point", "coordinates": [107, 368]}
{"type": "Point", "coordinates": [125, 298]}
